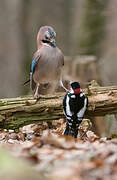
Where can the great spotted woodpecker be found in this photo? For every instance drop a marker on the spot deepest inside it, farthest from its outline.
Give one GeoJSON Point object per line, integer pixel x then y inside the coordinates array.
{"type": "Point", "coordinates": [74, 104]}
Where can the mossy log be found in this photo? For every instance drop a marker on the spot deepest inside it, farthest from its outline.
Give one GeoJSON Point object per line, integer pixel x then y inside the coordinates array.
{"type": "Point", "coordinates": [20, 111]}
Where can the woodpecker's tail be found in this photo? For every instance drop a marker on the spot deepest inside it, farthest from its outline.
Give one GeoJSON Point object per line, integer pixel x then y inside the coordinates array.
{"type": "Point", "coordinates": [66, 130]}
{"type": "Point", "coordinates": [71, 131]}
{"type": "Point", "coordinates": [26, 83]}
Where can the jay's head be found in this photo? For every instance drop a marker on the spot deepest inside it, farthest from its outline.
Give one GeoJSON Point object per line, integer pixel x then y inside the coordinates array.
{"type": "Point", "coordinates": [46, 35]}
{"type": "Point", "coordinates": [75, 87]}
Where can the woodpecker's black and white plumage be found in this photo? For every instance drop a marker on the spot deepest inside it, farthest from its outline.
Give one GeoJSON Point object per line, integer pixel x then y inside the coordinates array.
{"type": "Point", "coordinates": [74, 104]}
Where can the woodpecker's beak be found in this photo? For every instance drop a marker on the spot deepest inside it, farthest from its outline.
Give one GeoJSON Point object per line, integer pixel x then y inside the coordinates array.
{"type": "Point", "coordinates": [53, 42]}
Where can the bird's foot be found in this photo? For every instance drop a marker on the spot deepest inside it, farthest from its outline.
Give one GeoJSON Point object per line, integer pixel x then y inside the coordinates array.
{"type": "Point", "coordinates": [36, 96]}
{"type": "Point", "coordinates": [61, 84]}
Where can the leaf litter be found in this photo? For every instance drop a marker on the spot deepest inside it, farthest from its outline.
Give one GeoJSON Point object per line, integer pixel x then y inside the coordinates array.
{"type": "Point", "coordinates": [59, 157]}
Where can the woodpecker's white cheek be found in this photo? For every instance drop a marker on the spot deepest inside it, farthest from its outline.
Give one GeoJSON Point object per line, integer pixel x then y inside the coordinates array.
{"type": "Point", "coordinates": [81, 94]}
{"type": "Point", "coordinates": [71, 91]}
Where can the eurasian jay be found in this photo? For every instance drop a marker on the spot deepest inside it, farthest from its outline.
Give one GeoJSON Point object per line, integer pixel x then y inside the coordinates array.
{"type": "Point", "coordinates": [47, 61]}
{"type": "Point", "coordinates": [74, 104]}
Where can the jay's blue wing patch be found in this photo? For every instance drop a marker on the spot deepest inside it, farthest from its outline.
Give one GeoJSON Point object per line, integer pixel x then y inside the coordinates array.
{"type": "Point", "coordinates": [33, 64]}
{"type": "Point", "coordinates": [32, 70]}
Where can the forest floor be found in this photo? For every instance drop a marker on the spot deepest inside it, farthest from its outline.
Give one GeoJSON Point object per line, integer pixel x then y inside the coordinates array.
{"type": "Point", "coordinates": [60, 157]}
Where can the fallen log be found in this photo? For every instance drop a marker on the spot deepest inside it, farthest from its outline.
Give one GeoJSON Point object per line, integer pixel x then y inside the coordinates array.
{"type": "Point", "coordinates": [20, 111]}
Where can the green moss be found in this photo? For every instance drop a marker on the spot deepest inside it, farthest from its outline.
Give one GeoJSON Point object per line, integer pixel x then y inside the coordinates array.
{"type": "Point", "coordinates": [1, 118]}
{"type": "Point", "coordinates": [20, 119]}
{"type": "Point", "coordinates": [2, 103]}
{"type": "Point", "coordinates": [114, 136]}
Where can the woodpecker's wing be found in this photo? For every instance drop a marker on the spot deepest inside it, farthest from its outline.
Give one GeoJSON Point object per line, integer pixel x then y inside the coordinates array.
{"type": "Point", "coordinates": [64, 103]}
{"type": "Point", "coordinates": [81, 113]}
{"type": "Point", "coordinates": [66, 106]}
{"type": "Point", "coordinates": [32, 69]}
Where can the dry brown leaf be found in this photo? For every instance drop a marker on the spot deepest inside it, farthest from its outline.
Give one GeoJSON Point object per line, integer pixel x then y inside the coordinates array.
{"type": "Point", "coordinates": [91, 136]}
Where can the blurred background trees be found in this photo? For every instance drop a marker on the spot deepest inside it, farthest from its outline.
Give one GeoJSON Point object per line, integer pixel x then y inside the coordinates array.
{"type": "Point", "coordinates": [84, 27]}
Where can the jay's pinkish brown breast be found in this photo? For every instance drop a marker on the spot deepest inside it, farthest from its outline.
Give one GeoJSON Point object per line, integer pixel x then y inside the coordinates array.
{"type": "Point", "coordinates": [49, 66]}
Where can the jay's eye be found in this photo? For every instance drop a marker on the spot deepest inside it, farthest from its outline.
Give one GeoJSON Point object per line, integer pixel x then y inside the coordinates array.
{"type": "Point", "coordinates": [47, 35]}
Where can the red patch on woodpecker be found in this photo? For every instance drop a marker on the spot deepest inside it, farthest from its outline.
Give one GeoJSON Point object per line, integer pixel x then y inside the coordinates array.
{"type": "Point", "coordinates": [77, 91]}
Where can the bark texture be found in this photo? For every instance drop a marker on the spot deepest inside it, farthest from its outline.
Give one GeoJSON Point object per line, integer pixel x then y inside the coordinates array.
{"type": "Point", "coordinates": [17, 112]}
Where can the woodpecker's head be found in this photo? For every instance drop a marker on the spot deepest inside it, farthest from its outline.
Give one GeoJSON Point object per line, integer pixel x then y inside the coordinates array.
{"type": "Point", "coordinates": [46, 35]}
{"type": "Point", "coordinates": [75, 87]}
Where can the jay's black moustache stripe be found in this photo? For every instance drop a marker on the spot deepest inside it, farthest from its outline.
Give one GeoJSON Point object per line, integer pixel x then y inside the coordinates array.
{"type": "Point", "coordinates": [50, 43]}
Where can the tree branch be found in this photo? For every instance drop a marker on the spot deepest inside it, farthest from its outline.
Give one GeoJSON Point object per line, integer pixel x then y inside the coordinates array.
{"type": "Point", "coordinates": [17, 112]}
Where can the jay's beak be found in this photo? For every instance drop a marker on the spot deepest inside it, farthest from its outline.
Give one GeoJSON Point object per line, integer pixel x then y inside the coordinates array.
{"type": "Point", "coordinates": [53, 42]}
